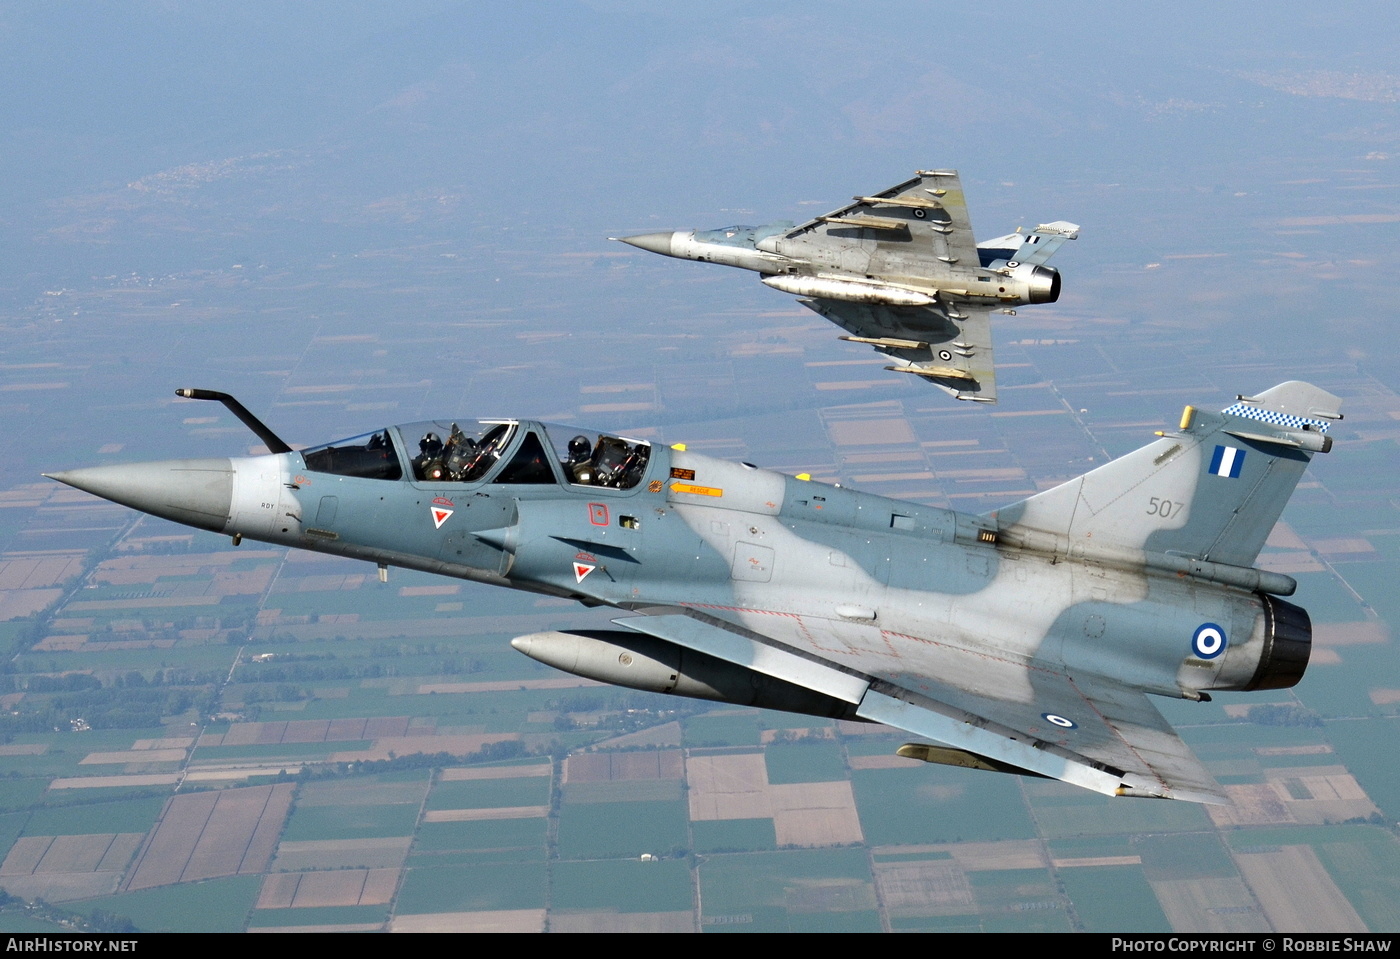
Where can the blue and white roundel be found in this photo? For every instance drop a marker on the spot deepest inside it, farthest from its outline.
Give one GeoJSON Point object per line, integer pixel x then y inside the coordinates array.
{"type": "Point", "coordinates": [1060, 721]}
{"type": "Point", "coordinates": [1209, 641]}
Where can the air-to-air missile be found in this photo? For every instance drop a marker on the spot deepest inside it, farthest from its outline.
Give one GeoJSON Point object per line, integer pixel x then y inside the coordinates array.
{"type": "Point", "coordinates": [1024, 640]}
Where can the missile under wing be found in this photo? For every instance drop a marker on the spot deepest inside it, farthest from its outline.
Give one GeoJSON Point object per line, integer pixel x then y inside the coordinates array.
{"type": "Point", "coordinates": [898, 270]}
{"type": "Point", "coordinates": [1025, 640]}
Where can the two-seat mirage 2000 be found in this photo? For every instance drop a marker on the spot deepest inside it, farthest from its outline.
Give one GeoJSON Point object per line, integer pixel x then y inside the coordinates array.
{"type": "Point", "coordinates": [1025, 640]}
{"type": "Point", "coordinates": [898, 270]}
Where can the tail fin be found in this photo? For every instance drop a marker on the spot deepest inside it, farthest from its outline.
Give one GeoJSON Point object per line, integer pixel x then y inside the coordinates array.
{"type": "Point", "coordinates": [1211, 491]}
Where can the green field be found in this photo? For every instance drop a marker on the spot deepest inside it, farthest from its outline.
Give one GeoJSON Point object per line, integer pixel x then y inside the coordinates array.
{"type": "Point", "coordinates": [350, 822]}
{"type": "Point", "coordinates": [780, 891]}
{"type": "Point", "coordinates": [514, 839]}
{"type": "Point", "coordinates": [319, 916]}
{"type": "Point", "coordinates": [722, 729]}
{"type": "Point", "coordinates": [622, 830]}
{"type": "Point", "coordinates": [216, 905]}
{"type": "Point", "coordinates": [133, 815]}
{"type": "Point", "coordinates": [466, 888]}
{"type": "Point", "coordinates": [938, 804]}
{"type": "Point", "coordinates": [1364, 862]}
{"type": "Point", "coordinates": [734, 835]}
{"type": "Point", "coordinates": [807, 762]}
{"type": "Point", "coordinates": [623, 886]}
{"type": "Point", "coordinates": [1113, 899]}
{"type": "Point", "coordinates": [490, 793]}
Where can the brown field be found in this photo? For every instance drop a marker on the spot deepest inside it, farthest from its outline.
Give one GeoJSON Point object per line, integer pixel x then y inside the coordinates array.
{"type": "Point", "coordinates": [463, 773]}
{"type": "Point", "coordinates": [134, 756]}
{"type": "Point", "coordinates": [1314, 749]}
{"type": "Point", "coordinates": [388, 747]}
{"type": "Point", "coordinates": [505, 920]}
{"type": "Point", "coordinates": [1342, 546]}
{"type": "Point", "coordinates": [18, 603]}
{"type": "Point", "coordinates": [1254, 804]}
{"type": "Point", "coordinates": [106, 852]}
{"type": "Point", "coordinates": [891, 477]}
{"type": "Point", "coordinates": [309, 731]}
{"type": "Point", "coordinates": [228, 774]}
{"type": "Point", "coordinates": [495, 812]}
{"type": "Point", "coordinates": [667, 734]}
{"type": "Point", "coordinates": [1210, 905]}
{"type": "Point", "coordinates": [24, 749]}
{"type": "Point", "coordinates": [803, 814]}
{"type": "Point", "coordinates": [815, 814]}
{"type": "Point", "coordinates": [621, 921]}
{"type": "Point", "coordinates": [1335, 795]}
{"type": "Point", "coordinates": [38, 571]}
{"type": "Point", "coordinates": [728, 787]}
{"type": "Point", "coordinates": [1282, 536]}
{"type": "Point", "coordinates": [887, 761]}
{"type": "Point", "coordinates": [341, 887]}
{"type": "Point", "coordinates": [165, 742]}
{"type": "Point", "coordinates": [1296, 893]}
{"type": "Point", "coordinates": [124, 570]}
{"type": "Point", "coordinates": [1009, 854]}
{"type": "Point", "coordinates": [892, 456]}
{"type": "Point", "coordinates": [611, 767]}
{"type": "Point", "coordinates": [347, 927]}
{"type": "Point", "coordinates": [205, 835]}
{"type": "Point", "coordinates": [1096, 861]}
{"type": "Point", "coordinates": [891, 431]}
{"type": "Point", "coordinates": [1290, 562]}
{"type": "Point", "coordinates": [65, 868]}
{"type": "Point", "coordinates": [924, 888]}
{"type": "Point", "coordinates": [98, 605]}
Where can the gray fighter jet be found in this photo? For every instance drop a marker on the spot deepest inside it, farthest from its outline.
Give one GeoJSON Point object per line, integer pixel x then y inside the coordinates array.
{"type": "Point", "coordinates": [898, 270]}
{"type": "Point", "coordinates": [1025, 640]}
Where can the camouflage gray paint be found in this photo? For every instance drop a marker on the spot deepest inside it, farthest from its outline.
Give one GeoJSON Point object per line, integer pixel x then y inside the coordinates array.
{"type": "Point", "coordinates": [898, 270]}
{"type": "Point", "coordinates": [1026, 639]}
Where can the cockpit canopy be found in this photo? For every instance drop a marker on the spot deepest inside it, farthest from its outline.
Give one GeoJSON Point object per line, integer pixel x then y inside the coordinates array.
{"type": "Point", "coordinates": [450, 452]}
{"type": "Point", "coordinates": [742, 236]}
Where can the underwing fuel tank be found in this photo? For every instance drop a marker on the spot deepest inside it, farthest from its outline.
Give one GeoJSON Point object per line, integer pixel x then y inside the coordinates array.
{"type": "Point", "coordinates": [656, 666]}
{"type": "Point", "coordinates": [850, 291]}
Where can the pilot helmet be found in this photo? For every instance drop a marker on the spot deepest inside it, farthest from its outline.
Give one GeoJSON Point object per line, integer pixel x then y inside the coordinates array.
{"type": "Point", "coordinates": [579, 448]}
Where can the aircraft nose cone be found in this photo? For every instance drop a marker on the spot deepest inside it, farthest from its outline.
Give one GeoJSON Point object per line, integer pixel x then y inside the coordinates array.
{"type": "Point", "coordinates": [194, 492]}
{"type": "Point", "coordinates": [651, 242]}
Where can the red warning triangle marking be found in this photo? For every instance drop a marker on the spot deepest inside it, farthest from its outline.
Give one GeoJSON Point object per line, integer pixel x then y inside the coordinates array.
{"type": "Point", "coordinates": [440, 516]}
{"type": "Point", "coordinates": [581, 570]}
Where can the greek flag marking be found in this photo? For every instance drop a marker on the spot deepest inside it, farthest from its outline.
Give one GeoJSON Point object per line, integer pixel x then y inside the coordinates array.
{"type": "Point", "coordinates": [1227, 461]}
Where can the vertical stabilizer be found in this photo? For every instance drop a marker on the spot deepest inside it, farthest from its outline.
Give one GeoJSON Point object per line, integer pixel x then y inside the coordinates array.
{"type": "Point", "coordinates": [1212, 491]}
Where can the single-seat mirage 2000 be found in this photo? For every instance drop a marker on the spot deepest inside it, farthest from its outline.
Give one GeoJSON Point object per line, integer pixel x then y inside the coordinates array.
{"type": "Point", "coordinates": [1025, 640]}
{"type": "Point", "coordinates": [898, 270]}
